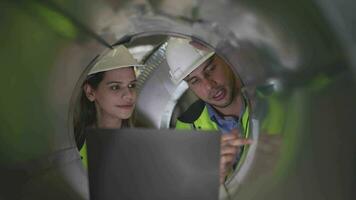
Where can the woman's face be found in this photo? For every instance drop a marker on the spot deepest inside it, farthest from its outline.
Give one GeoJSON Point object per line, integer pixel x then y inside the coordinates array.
{"type": "Point", "coordinates": [115, 96]}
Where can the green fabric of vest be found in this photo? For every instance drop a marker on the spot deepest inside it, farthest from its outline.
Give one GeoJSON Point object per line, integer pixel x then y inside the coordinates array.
{"type": "Point", "coordinates": [83, 155]}
{"type": "Point", "coordinates": [204, 123]}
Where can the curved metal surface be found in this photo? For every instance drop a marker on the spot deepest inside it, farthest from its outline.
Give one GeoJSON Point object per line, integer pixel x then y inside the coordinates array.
{"type": "Point", "coordinates": [296, 59]}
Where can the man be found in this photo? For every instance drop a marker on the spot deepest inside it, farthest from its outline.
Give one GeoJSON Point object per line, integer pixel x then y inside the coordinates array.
{"type": "Point", "coordinates": [221, 105]}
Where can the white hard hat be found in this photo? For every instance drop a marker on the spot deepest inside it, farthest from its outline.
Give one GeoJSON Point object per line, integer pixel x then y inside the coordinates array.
{"type": "Point", "coordinates": [118, 57]}
{"type": "Point", "coordinates": [183, 58]}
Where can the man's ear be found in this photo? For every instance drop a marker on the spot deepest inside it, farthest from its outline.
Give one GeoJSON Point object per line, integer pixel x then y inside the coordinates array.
{"type": "Point", "coordinates": [89, 92]}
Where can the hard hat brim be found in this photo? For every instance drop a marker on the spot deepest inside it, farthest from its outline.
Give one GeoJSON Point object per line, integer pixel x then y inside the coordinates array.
{"type": "Point", "coordinates": [112, 68]}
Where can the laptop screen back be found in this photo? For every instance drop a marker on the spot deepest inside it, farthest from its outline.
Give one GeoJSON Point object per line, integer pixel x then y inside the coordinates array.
{"type": "Point", "coordinates": [137, 164]}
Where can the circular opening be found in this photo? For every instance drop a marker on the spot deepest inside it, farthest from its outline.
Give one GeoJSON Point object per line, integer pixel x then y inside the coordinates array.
{"type": "Point", "coordinates": [161, 102]}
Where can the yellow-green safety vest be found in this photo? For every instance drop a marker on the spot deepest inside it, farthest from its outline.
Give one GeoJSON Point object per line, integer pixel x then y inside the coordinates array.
{"type": "Point", "coordinates": [204, 123]}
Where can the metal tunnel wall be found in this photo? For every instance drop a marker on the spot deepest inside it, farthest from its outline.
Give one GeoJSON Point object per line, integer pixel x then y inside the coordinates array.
{"type": "Point", "coordinates": [296, 59]}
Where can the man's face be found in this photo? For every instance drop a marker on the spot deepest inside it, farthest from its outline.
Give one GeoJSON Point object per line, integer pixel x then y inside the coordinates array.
{"type": "Point", "coordinates": [214, 82]}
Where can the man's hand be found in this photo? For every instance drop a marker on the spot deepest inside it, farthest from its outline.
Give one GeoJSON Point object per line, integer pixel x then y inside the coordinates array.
{"type": "Point", "coordinates": [229, 149]}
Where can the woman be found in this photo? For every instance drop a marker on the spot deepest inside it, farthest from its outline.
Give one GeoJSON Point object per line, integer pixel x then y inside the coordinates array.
{"type": "Point", "coordinates": [108, 95]}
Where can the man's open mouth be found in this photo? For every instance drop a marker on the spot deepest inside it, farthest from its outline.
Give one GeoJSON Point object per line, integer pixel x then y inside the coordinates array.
{"type": "Point", "coordinates": [219, 95]}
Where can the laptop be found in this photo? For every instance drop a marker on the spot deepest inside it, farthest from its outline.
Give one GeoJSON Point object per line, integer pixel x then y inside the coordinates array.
{"type": "Point", "coordinates": [139, 164]}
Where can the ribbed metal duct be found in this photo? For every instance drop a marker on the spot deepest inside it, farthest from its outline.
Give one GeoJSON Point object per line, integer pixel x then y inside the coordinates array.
{"type": "Point", "coordinates": [296, 59]}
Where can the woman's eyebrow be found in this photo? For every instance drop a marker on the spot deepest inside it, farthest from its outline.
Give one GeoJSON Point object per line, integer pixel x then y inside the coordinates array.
{"type": "Point", "coordinates": [119, 82]}
{"type": "Point", "coordinates": [113, 82]}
